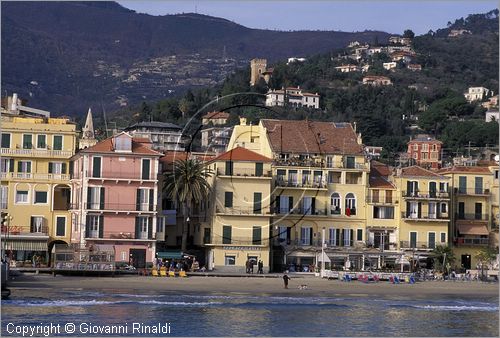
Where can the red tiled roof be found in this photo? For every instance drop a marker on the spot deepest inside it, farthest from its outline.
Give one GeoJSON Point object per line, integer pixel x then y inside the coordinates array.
{"type": "Point", "coordinates": [417, 171]}
{"type": "Point", "coordinates": [172, 156]}
{"type": "Point", "coordinates": [303, 137]}
{"type": "Point", "coordinates": [241, 154]}
{"type": "Point", "coordinates": [380, 182]}
{"type": "Point", "coordinates": [464, 169]}
{"type": "Point", "coordinates": [216, 115]}
{"type": "Point", "coordinates": [379, 172]}
{"type": "Point", "coordinates": [379, 169]}
{"type": "Point", "coordinates": [106, 146]}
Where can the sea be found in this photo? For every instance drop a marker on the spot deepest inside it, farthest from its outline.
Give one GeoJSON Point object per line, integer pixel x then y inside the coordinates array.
{"type": "Point", "coordinates": [80, 312]}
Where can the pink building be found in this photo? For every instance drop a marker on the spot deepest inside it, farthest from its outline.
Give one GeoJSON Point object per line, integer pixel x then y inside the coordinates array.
{"type": "Point", "coordinates": [115, 191]}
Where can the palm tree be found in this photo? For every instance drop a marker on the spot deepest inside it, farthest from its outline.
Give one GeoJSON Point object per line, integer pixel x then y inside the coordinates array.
{"type": "Point", "coordinates": [439, 253]}
{"type": "Point", "coordinates": [187, 185]}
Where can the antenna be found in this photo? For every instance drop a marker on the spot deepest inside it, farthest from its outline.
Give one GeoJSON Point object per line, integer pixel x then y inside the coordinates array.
{"type": "Point", "coordinates": [105, 121]}
{"type": "Point", "coordinates": [196, 9]}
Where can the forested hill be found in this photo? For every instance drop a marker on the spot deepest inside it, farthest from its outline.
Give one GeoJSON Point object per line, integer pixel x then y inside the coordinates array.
{"type": "Point", "coordinates": [428, 100]}
{"type": "Point", "coordinates": [67, 56]}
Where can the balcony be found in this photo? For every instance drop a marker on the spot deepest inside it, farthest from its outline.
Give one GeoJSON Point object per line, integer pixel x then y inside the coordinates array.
{"type": "Point", "coordinates": [236, 241]}
{"type": "Point", "coordinates": [318, 163]}
{"type": "Point", "coordinates": [116, 176]}
{"type": "Point", "coordinates": [282, 183]}
{"type": "Point", "coordinates": [301, 211]}
{"type": "Point", "coordinates": [120, 236]}
{"type": "Point", "coordinates": [425, 217]}
{"type": "Point", "coordinates": [426, 195]}
{"type": "Point", "coordinates": [32, 176]}
{"type": "Point", "coordinates": [420, 245]}
{"type": "Point", "coordinates": [25, 230]}
{"type": "Point", "coordinates": [242, 211]}
{"type": "Point", "coordinates": [472, 217]}
{"type": "Point", "coordinates": [39, 153]}
{"type": "Point", "coordinates": [316, 243]}
{"type": "Point", "coordinates": [472, 191]}
{"type": "Point", "coordinates": [114, 207]}
{"type": "Point", "coordinates": [381, 201]}
{"type": "Point", "coordinates": [472, 241]}
{"type": "Point", "coordinates": [244, 173]}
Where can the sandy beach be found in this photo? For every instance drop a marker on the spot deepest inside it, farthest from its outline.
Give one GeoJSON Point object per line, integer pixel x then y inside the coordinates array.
{"type": "Point", "coordinates": [22, 284]}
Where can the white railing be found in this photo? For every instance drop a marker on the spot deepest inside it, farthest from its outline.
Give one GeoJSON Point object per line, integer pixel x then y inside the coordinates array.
{"type": "Point", "coordinates": [30, 176]}
{"type": "Point", "coordinates": [36, 152]}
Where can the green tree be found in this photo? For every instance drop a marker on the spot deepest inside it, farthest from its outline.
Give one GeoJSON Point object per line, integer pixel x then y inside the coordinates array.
{"type": "Point", "coordinates": [485, 256]}
{"type": "Point", "coordinates": [408, 34]}
{"type": "Point", "coordinates": [187, 185]}
{"type": "Point", "coordinates": [439, 253]}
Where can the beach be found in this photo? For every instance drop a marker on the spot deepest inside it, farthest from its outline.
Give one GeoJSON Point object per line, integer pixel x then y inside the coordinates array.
{"type": "Point", "coordinates": [251, 285]}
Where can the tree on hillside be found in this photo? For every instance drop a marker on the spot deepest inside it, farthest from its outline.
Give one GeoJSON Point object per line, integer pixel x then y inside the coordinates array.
{"type": "Point", "coordinates": [187, 185]}
{"type": "Point", "coordinates": [408, 34]}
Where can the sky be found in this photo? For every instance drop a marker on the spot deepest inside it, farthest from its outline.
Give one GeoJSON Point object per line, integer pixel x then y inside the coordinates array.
{"type": "Point", "coordinates": [349, 16]}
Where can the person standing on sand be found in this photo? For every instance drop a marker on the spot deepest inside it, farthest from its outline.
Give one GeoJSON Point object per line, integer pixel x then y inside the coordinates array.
{"type": "Point", "coordinates": [285, 280]}
{"type": "Point", "coordinates": [260, 266]}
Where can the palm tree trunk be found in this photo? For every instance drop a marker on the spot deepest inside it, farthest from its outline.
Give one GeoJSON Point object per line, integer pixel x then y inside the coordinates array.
{"type": "Point", "coordinates": [184, 227]}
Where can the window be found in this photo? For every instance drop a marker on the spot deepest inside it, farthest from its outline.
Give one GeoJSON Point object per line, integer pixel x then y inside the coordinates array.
{"type": "Point", "coordinates": [284, 234]}
{"type": "Point", "coordinates": [22, 196]}
{"type": "Point", "coordinates": [383, 212]}
{"type": "Point", "coordinates": [350, 204]}
{"type": "Point", "coordinates": [425, 147]}
{"type": "Point", "coordinates": [443, 237]}
{"type": "Point", "coordinates": [93, 226]}
{"type": "Point", "coordinates": [425, 156]}
{"type": "Point", "coordinates": [413, 239]}
{"type": "Point", "coordinates": [257, 235]}
{"type": "Point", "coordinates": [96, 166]}
{"type": "Point", "coordinates": [41, 141]}
{"type": "Point", "coordinates": [160, 224]}
{"type": "Point", "coordinates": [412, 188]}
{"type": "Point", "coordinates": [95, 198]}
{"type": "Point", "coordinates": [228, 199]}
{"type": "Point", "coordinates": [257, 202]}
{"type": "Point", "coordinates": [375, 196]}
{"type": "Point", "coordinates": [335, 204]}
{"type": "Point", "coordinates": [226, 234]}
{"type": "Point", "coordinates": [123, 143]}
{"type": "Point", "coordinates": [4, 196]}
{"type": "Point", "coordinates": [24, 167]}
{"type": "Point", "coordinates": [347, 235]}
{"type": "Point", "coordinates": [308, 205]}
{"type": "Point", "coordinates": [145, 199]}
{"type": "Point", "coordinates": [6, 165]}
{"type": "Point", "coordinates": [5, 140]}
{"type": "Point", "coordinates": [229, 168]}
{"type": "Point", "coordinates": [57, 142]}
{"type": "Point", "coordinates": [388, 196]}
{"type": "Point", "coordinates": [259, 169]}
{"type": "Point", "coordinates": [444, 208]}
{"type": "Point", "coordinates": [306, 177]}
{"type": "Point", "coordinates": [36, 225]}
{"type": "Point", "coordinates": [415, 147]}
{"type": "Point", "coordinates": [462, 184]}
{"type": "Point", "coordinates": [350, 162]}
{"type": "Point", "coordinates": [40, 197]}
{"type": "Point", "coordinates": [142, 227]}
{"type": "Point", "coordinates": [230, 260]}
{"type": "Point", "coordinates": [478, 185]}
{"type": "Point", "coordinates": [27, 141]}
{"type": "Point", "coordinates": [359, 236]}
{"type": "Point", "coordinates": [285, 204]}
{"type": "Point", "coordinates": [329, 161]}
{"type": "Point", "coordinates": [60, 226]}
{"type": "Point", "coordinates": [57, 168]}
{"type": "Point", "coordinates": [431, 240]}
{"type": "Point", "coordinates": [334, 236]}
{"type": "Point", "coordinates": [443, 187]}
{"type": "Point", "coordinates": [496, 174]}
{"type": "Point", "coordinates": [478, 210]}
{"type": "Point", "coordinates": [292, 178]}
{"type": "Point", "coordinates": [306, 235]}
{"type": "Point", "coordinates": [146, 167]}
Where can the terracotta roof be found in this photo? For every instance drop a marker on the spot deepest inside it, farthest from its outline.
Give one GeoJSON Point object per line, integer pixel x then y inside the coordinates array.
{"type": "Point", "coordinates": [216, 115]}
{"type": "Point", "coordinates": [380, 182]}
{"type": "Point", "coordinates": [379, 173]}
{"type": "Point", "coordinates": [417, 171]}
{"type": "Point", "coordinates": [302, 137]}
{"type": "Point", "coordinates": [142, 139]}
{"type": "Point", "coordinates": [424, 138]}
{"type": "Point", "coordinates": [379, 169]}
{"type": "Point", "coordinates": [241, 154]}
{"type": "Point", "coordinates": [106, 146]}
{"type": "Point", "coordinates": [172, 156]}
{"type": "Point", "coordinates": [464, 169]}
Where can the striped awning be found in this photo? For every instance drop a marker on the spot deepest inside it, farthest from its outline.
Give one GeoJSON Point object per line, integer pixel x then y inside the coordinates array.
{"type": "Point", "coordinates": [26, 245]}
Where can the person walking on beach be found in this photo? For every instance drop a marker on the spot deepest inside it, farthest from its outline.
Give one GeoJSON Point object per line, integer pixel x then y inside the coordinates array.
{"type": "Point", "coordinates": [285, 280]}
{"type": "Point", "coordinates": [247, 265]}
{"type": "Point", "coordinates": [252, 262]}
{"type": "Point", "coordinates": [260, 266]}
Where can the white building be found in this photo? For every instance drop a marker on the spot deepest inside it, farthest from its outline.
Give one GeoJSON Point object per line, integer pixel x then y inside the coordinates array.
{"type": "Point", "coordinates": [348, 68]}
{"type": "Point", "coordinates": [476, 93]}
{"type": "Point", "coordinates": [294, 96]}
{"type": "Point", "coordinates": [389, 65]}
{"type": "Point", "coordinates": [164, 136]}
{"type": "Point", "coordinates": [291, 60]}
{"type": "Point", "coordinates": [492, 116]}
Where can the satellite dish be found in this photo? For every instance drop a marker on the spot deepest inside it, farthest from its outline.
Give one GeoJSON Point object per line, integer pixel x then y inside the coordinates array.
{"type": "Point", "coordinates": [497, 157]}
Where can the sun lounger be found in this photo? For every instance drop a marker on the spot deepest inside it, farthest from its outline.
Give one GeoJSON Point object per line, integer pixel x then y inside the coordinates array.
{"type": "Point", "coordinates": [171, 274]}
{"type": "Point", "coordinates": [154, 273]}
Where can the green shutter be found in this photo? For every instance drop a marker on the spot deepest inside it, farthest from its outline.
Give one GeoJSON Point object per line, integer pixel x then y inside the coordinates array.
{"type": "Point", "coordinates": [151, 199]}
{"type": "Point", "coordinates": [89, 197]}
{"type": "Point", "coordinates": [60, 226]}
{"type": "Point", "coordinates": [226, 234]}
{"type": "Point", "coordinates": [11, 165]}
{"type": "Point", "coordinates": [57, 142]}
{"type": "Point", "coordinates": [50, 167]}
{"type": "Point", "coordinates": [63, 170]}
{"type": "Point", "coordinates": [5, 140]}
{"type": "Point", "coordinates": [229, 168]}
{"type": "Point", "coordinates": [228, 199]}
{"type": "Point", "coordinates": [87, 226]}
{"type": "Point", "coordinates": [137, 227]}
{"type": "Point", "coordinates": [259, 169]}
{"type": "Point", "coordinates": [101, 206]}
{"type": "Point", "coordinates": [138, 200]}
{"type": "Point", "coordinates": [257, 202]}
{"type": "Point", "coordinates": [96, 166]}
{"type": "Point", "coordinates": [101, 226]}
{"type": "Point", "coordinates": [257, 235]}
{"type": "Point", "coordinates": [145, 169]}
{"type": "Point", "coordinates": [28, 167]}
{"type": "Point", "coordinates": [150, 228]}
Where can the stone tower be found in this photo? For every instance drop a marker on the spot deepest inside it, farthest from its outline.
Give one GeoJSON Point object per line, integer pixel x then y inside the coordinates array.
{"type": "Point", "coordinates": [257, 67]}
{"type": "Point", "coordinates": [88, 136]}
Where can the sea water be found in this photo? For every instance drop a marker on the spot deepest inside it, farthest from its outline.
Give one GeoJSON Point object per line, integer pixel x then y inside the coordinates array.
{"type": "Point", "coordinates": [240, 314]}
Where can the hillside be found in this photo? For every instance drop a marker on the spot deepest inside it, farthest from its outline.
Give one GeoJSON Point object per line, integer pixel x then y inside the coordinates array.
{"type": "Point", "coordinates": [67, 56]}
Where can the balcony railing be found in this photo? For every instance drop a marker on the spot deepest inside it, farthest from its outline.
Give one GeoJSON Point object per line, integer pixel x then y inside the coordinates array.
{"type": "Point", "coordinates": [300, 184]}
{"type": "Point", "coordinates": [317, 163]}
{"type": "Point", "coordinates": [317, 243]}
{"type": "Point", "coordinates": [472, 241]}
{"type": "Point", "coordinates": [106, 175]}
{"type": "Point", "coordinates": [42, 230]}
{"type": "Point", "coordinates": [94, 234]}
{"type": "Point", "coordinates": [301, 211]}
{"type": "Point", "coordinates": [472, 217]}
{"type": "Point", "coordinates": [244, 172]}
{"type": "Point", "coordinates": [426, 194]}
{"type": "Point", "coordinates": [244, 241]}
{"type": "Point", "coordinates": [381, 200]}
{"type": "Point", "coordinates": [425, 217]}
{"type": "Point", "coordinates": [36, 153]}
{"type": "Point", "coordinates": [242, 210]}
{"type": "Point", "coordinates": [472, 191]}
{"type": "Point", "coordinates": [33, 176]}
{"type": "Point", "coordinates": [114, 207]}
{"type": "Point", "coordinates": [420, 245]}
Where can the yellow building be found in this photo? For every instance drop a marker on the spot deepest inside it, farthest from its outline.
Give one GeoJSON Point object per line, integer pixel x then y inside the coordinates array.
{"type": "Point", "coordinates": [239, 223]}
{"type": "Point", "coordinates": [35, 189]}
{"type": "Point", "coordinates": [320, 175]}
{"type": "Point", "coordinates": [474, 198]}
{"type": "Point", "coordinates": [424, 218]}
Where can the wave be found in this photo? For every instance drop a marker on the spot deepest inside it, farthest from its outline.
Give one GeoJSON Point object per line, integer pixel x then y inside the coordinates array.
{"type": "Point", "coordinates": [64, 303]}
{"type": "Point", "coordinates": [456, 307]}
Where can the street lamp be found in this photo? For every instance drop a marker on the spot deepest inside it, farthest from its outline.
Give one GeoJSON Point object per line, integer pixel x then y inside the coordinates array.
{"type": "Point", "coordinates": [323, 253]}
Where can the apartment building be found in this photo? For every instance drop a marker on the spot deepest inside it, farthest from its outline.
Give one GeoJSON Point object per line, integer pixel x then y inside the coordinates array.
{"type": "Point", "coordinates": [114, 198]}
{"type": "Point", "coordinates": [35, 189]}
{"type": "Point", "coordinates": [292, 96]}
{"type": "Point", "coordinates": [425, 151]}
{"type": "Point", "coordinates": [163, 136]}
{"type": "Point", "coordinates": [214, 135]}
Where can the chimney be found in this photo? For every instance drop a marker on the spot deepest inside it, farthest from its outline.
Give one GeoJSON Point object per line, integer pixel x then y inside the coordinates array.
{"type": "Point", "coordinates": [243, 121]}
{"type": "Point", "coordinates": [14, 106]}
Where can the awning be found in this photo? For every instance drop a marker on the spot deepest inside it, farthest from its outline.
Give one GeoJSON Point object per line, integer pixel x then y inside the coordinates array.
{"type": "Point", "coordinates": [103, 248]}
{"type": "Point", "coordinates": [26, 245]}
{"type": "Point", "coordinates": [169, 254]}
{"type": "Point", "coordinates": [301, 254]}
{"type": "Point", "coordinates": [472, 229]}
{"type": "Point", "coordinates": [323, 258]}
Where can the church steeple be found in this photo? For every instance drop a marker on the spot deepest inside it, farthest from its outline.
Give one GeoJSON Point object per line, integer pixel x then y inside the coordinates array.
{"type": "Point", "coordinates": [88, 137]}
